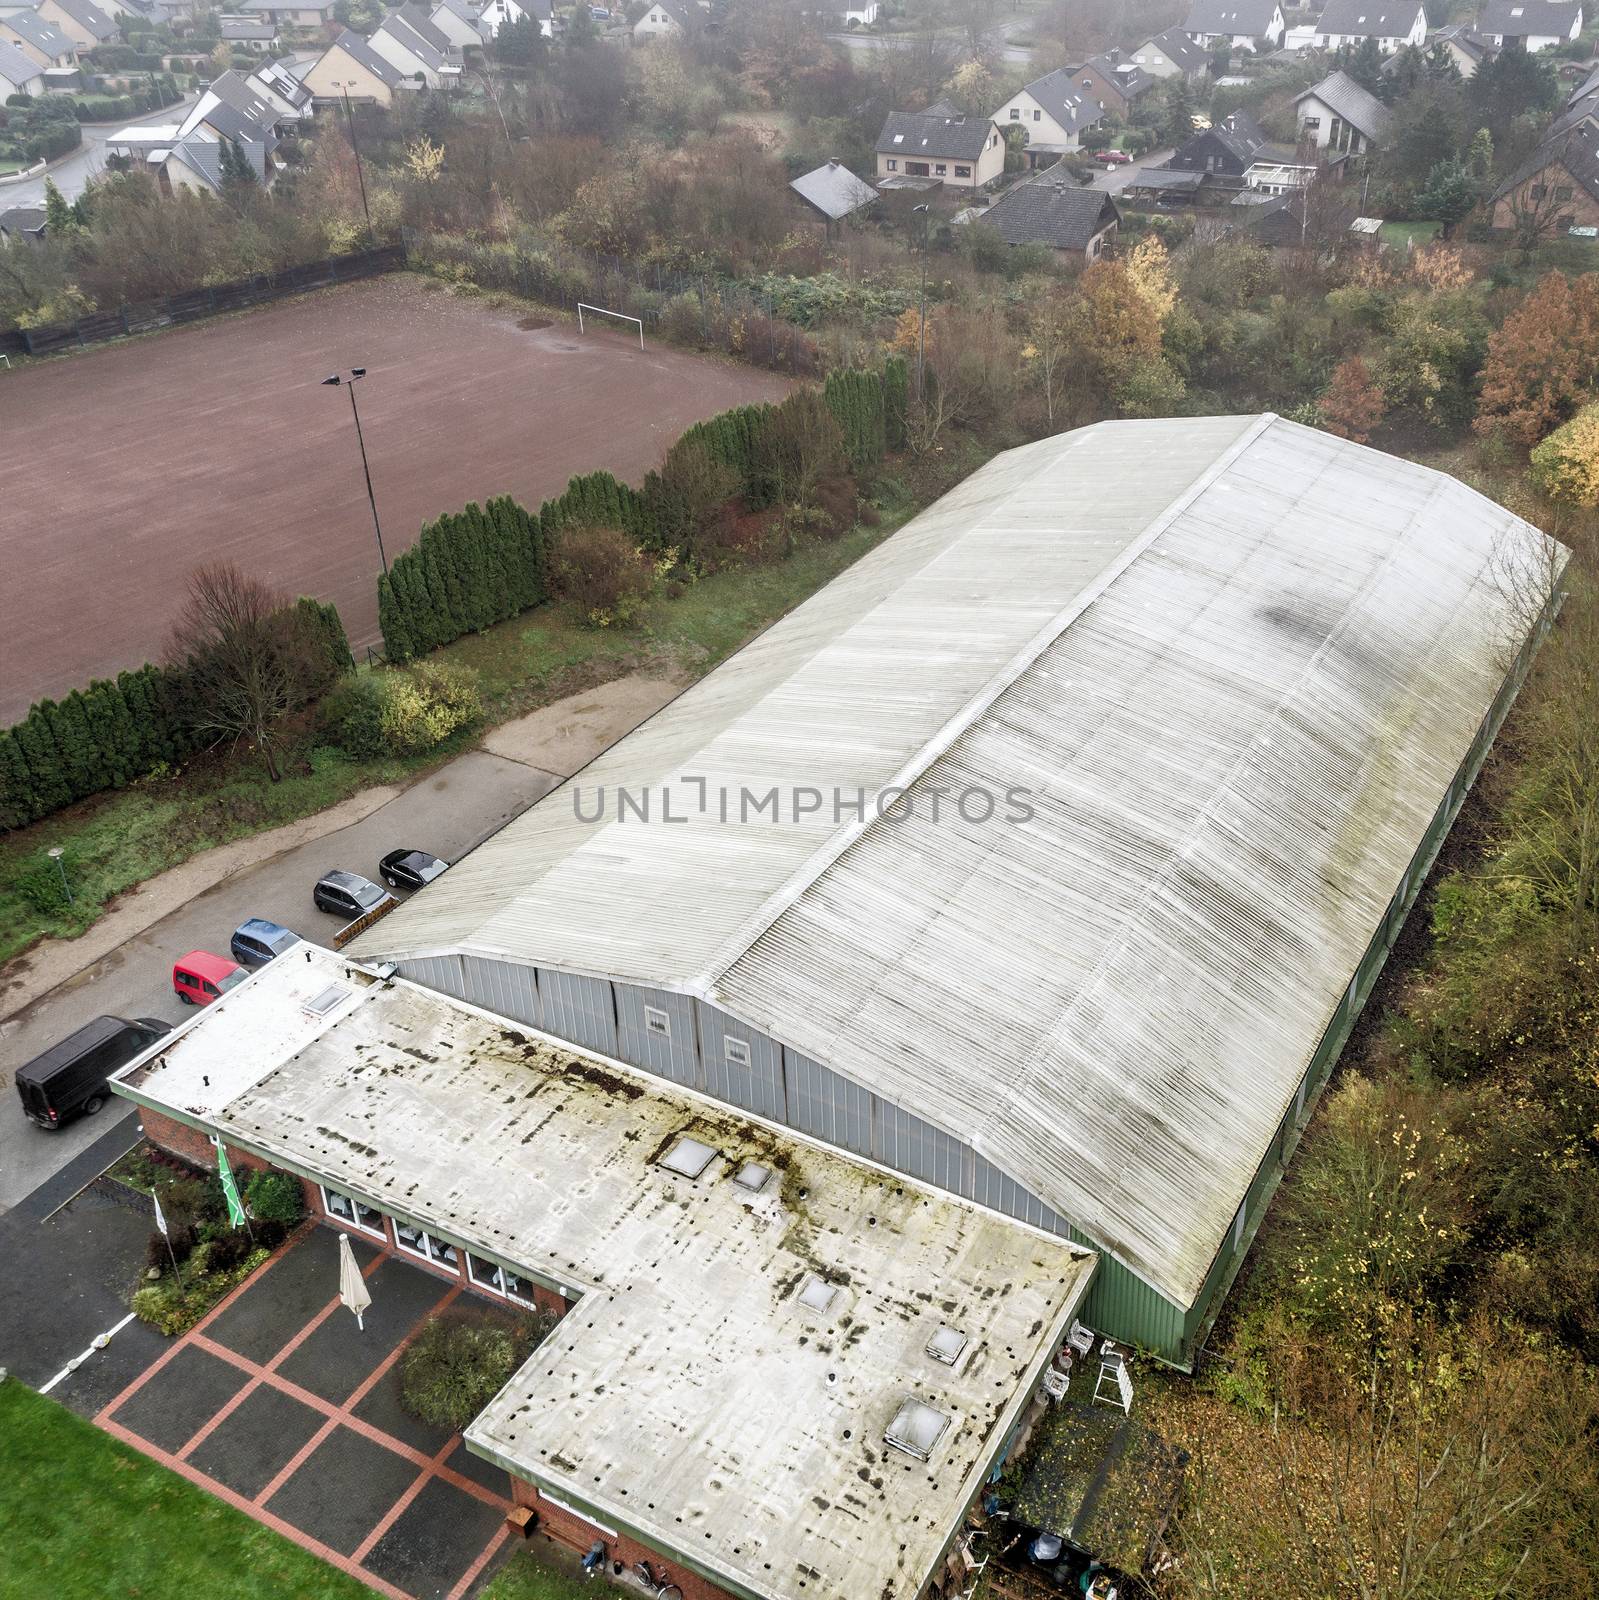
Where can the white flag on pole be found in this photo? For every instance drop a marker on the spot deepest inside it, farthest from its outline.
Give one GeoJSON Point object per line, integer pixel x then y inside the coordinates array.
{"type": "Point", "coordinates": [160, 1221]}
{"type": "Point", "coordinates": [352, 1286]}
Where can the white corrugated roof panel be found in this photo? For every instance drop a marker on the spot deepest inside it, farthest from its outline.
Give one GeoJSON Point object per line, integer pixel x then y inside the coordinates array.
{"type": "Point", "coordinates": [1234, 662]}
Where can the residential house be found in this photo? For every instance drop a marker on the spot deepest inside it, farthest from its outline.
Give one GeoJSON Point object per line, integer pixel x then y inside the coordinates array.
{"type": "Point", "coordinates": [19, 74]}
{"type": "Point", "coordinates": [1392, 23]}
{"type": "Point", "coordinates": [22, 225]}
{"type": "Point", "coordinates": [1464, 48]}
{"type": "Point", "coordinates": [234, 109]}
{"type": "Point", "coordinates": [1533, 24]}
{"type": "Point", "coordinates": [863, 13]}
{"type": "Point", "coordinates": [1054, 112]}
{"type": "Point", "coordinates": [1241, 24]}
{"type": "Point", "coordinates": [1056, 211]}
{"type": "Point", "coordinates": [668, 19]}
{"type": "Point", "coordinates": [1171, 54]}
{"type": "Point", "coordinates": [962, 152]}
{"type": "Point", "coordinates": [1579, 113]}
{"type": "Point", "coordinates": [351, 69]}
{"type": "Point", "coordinates": [1227, 149]}
{"type": "Point", "coordinates": [1113, 82]}
{"type": "Point", "coordinates": [834, 191]}
{"type": "Point", "coordinates": [187, 157]}
{"type": "Point", "coordinates": [83, 22]}
{"type": "Point", "coordinates": [498, 14]}
{"type": "Point", "coordinates": [457, 21]}
{"type": "Point", "coordinates": [256, 34]}
{"type": "Point", "coordinates": [410, 44]}
{"type": "Point", "coordinates": [292, 13]}
{"type": "Point", "coordinates": [284, 92]}
{"type": "Point", "coordinates": [1338, 114]}
{"type": "Point", "coordinates": [43, 43]}
{"type": "Point", "coordinates": [1555, 188]}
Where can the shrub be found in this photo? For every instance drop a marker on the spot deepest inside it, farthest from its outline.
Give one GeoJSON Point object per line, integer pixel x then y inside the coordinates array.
{"type": "Point", "coordinates": [453, 1368]}
{"type": "Point", "coordinates": [276, 1197]}
{"type": "Point", "coordinates": [353, 716]}
{"type": "Point", "coordinates": [798, 446]}
{"type": "Point", "coordinates": [601, 574]}
{"type": "Point", "coordinates": [402, 711]}
{"type": "Point", "coordinates": [171, 1307]}
{"type": "Point", "coordinates": [1566, 465]}
{"type": "Point", "coordinates": [689, 494]}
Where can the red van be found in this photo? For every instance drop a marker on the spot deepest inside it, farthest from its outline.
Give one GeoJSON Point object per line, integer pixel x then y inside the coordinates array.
{"type": "Point", "coordinates": [200, 977]}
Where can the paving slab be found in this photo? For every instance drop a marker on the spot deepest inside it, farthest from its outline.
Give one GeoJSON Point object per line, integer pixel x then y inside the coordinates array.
{"type": "Point", "coordinates": [343, 1489]}
{"type": "Point", "coordinates": [256, 1440]}
{"type": "Point", "coordinates": [338, 1358]}
{"type": "Point", "coordinates": [174, 1404]}
{"type": "Point", "coordinates": [496, 1479]}
{"type": "Point", "coordinates": [279, 1303]}
{"type": "Point", "coordinates": [434, 1541]}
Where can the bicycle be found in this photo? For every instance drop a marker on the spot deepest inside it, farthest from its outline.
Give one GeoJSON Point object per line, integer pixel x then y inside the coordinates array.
{"type": "Point", "coordinates": [662, 1587]}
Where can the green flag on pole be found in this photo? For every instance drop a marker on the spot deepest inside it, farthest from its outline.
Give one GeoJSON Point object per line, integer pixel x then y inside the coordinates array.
{"type": "Point", "coordinates": [230, 1188]}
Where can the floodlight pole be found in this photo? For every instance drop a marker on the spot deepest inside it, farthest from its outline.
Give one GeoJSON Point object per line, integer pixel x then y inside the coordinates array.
{"type": "Point", "coordinates": [921, 331]}
{"type": "Point", "coordinates": [357, 373]}
{"type": "Point", "coordinates": [360, 172]}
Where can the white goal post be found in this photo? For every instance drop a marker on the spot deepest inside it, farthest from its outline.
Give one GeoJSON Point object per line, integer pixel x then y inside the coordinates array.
{"type": "Point", "coordinates": [600, 311]}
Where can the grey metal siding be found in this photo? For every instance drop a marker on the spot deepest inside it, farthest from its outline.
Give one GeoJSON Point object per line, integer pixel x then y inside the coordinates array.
{"type": "Point", "coordinates": [675, 1054]}
{"type": "Point", "coordinates": [757, 1087]}
{"type": "Point", "coordinates": [580, 1009]}
{"type": "Point", "coordinates": [434, 972]}
{"type": "Point", "coordinates": [504, 987]}
{"type": "Point", "coordinates": [827, 1106]}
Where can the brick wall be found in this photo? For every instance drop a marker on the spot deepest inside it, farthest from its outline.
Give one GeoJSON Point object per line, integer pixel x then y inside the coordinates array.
{"type": "Point", "coordinates": [194, 1146]}
{"type": "Point", "coordinates": [578, 1533]}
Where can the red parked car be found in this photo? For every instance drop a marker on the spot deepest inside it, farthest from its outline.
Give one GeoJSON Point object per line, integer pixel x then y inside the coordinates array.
{"type": "Point", "coordinates": [1112, 158]}
{"type": "Point", "coordinates": [200, 977]}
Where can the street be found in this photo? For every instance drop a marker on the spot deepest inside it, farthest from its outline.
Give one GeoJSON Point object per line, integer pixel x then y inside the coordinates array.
{"type": "Point", "coordinates": [71, 176]}
{"type": "Point", "coordinates": [1016, 54]}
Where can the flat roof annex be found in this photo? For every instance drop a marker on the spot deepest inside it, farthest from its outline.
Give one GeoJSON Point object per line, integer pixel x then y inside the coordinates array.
{"type": "Point", "coordinates": [1232, 663]}
{"type": "Point", "coordinates": [689, 1396]}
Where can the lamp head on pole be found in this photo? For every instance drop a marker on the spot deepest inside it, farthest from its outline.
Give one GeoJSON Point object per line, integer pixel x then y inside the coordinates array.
{"type": "Point", "coordinates": [335, 380]}
{"type": "Point", "coordinates": [357, 372]}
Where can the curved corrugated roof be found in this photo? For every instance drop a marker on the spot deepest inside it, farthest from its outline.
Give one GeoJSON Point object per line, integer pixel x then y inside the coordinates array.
{"type": "Point", "coordinates": [1234, 662]}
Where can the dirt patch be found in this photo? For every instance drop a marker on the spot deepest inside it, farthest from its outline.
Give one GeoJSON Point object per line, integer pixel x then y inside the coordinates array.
{"type": "Point", "coordinates": [116, 504]}
{"type": "Point", "coordinates": [532, 324]}
{"type": "Point", "coordinates": [564, 737]}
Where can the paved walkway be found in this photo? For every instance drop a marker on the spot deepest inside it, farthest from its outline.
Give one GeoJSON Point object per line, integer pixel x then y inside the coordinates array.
{"type": "Point", "coordinates": [278, 1405]}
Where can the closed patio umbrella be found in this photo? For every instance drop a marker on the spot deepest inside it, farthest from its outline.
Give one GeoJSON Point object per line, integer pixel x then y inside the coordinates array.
{"type": "Point", "coordinates": [352, 1286]}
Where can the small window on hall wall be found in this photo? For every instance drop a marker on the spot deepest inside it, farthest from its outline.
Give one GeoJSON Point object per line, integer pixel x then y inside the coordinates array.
{"type": "Point", "coordinates": [738, 1053]}
{"type": "Point", "coordinates": [657, 1022]}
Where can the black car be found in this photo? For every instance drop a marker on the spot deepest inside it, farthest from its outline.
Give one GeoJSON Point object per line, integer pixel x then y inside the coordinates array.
{"type": "Point", "coordinates": [71, 1076]}
{"type": "Point", "coordinates": [347, 894]}
{"type": "Point", "coordinates": [410, 869]}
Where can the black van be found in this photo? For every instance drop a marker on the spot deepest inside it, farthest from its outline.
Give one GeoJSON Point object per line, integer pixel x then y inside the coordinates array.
{"type": "Point", "coordinates": [71, 1076]}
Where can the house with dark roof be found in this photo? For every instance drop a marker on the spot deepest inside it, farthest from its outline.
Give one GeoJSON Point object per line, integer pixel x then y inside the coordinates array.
{"type": "Point", "coordinates": [1338, 114]}
{"type": "Point", "coordinates": [1242, 24]}
{"type": "Point", "coordinates": [84, 23]}
{"type": "Point", "coordinates": [351, 69]}
{"type": "Point", "coordinates": [1227, 149]}
{"type": "Point", "coordinates": [1171, 54]}
{"type": "Point", "coordinates": [410, 44]}
{"type": "Point", "coordinates": [457, 21]}
{"type": "Point", "coordinates": [960, 151]}
{"type": "Point", "coordinates": [1533, 24]}
{"type": "Point", "coordinates": [1392, 23]}
{"type": "Point", "coordinates": [671, 19]}
{"type": "Point", "coordinates": [1555, 189]}
{"type": "Point", "coordinates": [255, 33]}
{"type": "Point", "coordinates": [1112, 81]}
{"type": "Point", "coordinates": [1054, 112]}
{"type": "Point", "coordinates": [22, 225]}
{"type": "Point", "coordinates": [834, 191]}
{"type": "Point", "coordinates": [1461, 44]}
{"type": "Point", "coordinates": [43, 43]}
{"type": "Point", "coordinates": [1052, 209]}
{"type": "Point", "coordinates": [18, 74]}
{"type": "Point", "coordinates": [292, 13]}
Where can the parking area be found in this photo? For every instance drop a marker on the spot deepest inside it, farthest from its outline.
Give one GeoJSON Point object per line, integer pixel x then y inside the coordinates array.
{"type": "Point", "coordinates": [277, 1403]}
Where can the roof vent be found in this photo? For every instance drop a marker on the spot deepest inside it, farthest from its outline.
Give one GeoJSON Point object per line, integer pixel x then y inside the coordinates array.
{"type": "Point", "coordinates": [321, 1005]}
{"type": "Point", "coordinates": [817, 1294]}
{"type": "Point", "coordinates": [752, 1176]}
{"type": "Point", "coordinates": [916, 1429]}
{"type": "Point", "coordinates": [688, 1158]}
{"type": "Point", "coordinates": [946, 1345]}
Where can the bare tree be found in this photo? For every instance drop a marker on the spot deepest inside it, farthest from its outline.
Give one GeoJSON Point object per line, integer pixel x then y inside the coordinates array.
{"type": "Point", "coordinates": [247, 656]}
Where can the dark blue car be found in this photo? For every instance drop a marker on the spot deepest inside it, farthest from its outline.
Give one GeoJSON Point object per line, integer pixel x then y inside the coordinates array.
{"type": "Point", "coordinates": [257, 941]}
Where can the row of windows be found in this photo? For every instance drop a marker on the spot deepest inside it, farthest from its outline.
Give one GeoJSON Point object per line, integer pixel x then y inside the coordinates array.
{"type": "Point", "coordinates": [940, 169]}
{"type": "Point", "coordinates": [659, 1023]}
{"type": "Point", "coordinates": [414, 1241]}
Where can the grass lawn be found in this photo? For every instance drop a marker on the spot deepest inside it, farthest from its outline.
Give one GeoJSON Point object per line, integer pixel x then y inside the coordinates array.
{"type": "Point", "coordinates": [525, 1577]}
{"type": "Point", "coordinates": [1399, 234]}
{"type": "Point", "coordinates": [84, 1517]}
{"type": "Point", "coordinates": [115, 841]}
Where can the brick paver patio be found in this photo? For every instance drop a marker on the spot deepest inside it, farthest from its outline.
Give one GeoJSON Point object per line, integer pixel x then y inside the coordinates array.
{"type": "Point", "coordinates": [278, 1405]}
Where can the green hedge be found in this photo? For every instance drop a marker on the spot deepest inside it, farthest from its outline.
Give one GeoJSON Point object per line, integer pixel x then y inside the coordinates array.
{"type": "Point", "coordinates": [473, 568]}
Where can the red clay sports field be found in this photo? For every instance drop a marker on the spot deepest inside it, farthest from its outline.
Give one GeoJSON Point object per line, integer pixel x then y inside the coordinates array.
{"type": "Point", "coordinates": [128, 465]}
